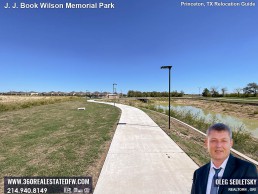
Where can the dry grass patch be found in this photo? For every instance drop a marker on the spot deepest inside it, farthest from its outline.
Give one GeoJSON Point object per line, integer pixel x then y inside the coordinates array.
{"type": "Point", "coordinates": [238, 110]}
{"type": "Point", "coordinates": [20, 102]}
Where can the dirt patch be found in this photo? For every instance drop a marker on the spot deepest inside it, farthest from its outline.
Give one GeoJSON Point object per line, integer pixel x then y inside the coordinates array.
{"type": "Point", "coordinates": [95, 169]}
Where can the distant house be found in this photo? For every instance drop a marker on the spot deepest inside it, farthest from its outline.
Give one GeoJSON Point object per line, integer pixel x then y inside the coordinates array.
{"type": "Point", "coordinates": [113, 96]}
{"type": "Point", "coordinates": [34, 93]}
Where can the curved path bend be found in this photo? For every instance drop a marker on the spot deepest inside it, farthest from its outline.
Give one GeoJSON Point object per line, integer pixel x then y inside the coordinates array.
{"type": "Point", "coordinates": [143, 159]}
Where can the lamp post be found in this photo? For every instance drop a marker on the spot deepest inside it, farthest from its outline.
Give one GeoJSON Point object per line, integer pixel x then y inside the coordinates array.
{"type": "Point", "coordinates": [86, 94]}
{"type": "Point", "coordinates": [114, 92]}
{"type": "Point", "coordinates": [169, 68]}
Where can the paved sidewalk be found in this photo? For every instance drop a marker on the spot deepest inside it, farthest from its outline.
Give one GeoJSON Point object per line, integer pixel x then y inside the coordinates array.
{"type": "Point", "coordinates": [142, 159]}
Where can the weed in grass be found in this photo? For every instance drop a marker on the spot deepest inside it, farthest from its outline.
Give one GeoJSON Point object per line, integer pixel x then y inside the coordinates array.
{"type": "Point", "coordinates": [240, 136]}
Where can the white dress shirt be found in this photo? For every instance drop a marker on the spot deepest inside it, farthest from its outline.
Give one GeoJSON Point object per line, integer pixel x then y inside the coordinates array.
{"type": "Point", "coordinates": [212, 173]}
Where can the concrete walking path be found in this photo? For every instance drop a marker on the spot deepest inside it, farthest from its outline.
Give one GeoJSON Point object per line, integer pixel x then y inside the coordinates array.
{"type": "Point", "coordinates": [142, 159]}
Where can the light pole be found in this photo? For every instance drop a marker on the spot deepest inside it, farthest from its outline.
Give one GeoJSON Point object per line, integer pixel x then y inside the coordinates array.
{"type": "Point", "coordinates": [86, 94]}
{"type": "Point", "coordinates": [114, 92]}
{"type": "Point", "coordinates": [169, 68]}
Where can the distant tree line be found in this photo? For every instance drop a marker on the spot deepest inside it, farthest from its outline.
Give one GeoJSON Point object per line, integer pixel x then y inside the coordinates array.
{"type": "Point", "coordinates": [95, 94]}
{"type": "Point", "coordinates": [132, 93]}
{"type": "Point", "coordinates": [249, 91]}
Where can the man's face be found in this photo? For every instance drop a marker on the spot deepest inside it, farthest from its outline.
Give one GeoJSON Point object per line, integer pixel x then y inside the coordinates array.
{"type": "Point", "coordinates": [219, 144]}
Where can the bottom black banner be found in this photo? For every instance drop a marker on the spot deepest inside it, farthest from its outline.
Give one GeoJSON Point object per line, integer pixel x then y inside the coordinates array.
{"type": "Point", "coordinates": [47, 185]}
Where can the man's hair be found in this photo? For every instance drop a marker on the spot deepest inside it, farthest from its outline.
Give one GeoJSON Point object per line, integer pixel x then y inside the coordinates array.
{"type": "Point", "coordinates": [220, 127]}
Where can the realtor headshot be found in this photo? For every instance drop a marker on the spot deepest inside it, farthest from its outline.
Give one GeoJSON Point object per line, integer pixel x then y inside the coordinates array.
{"type": "Point", "coordinates": [222, 165]}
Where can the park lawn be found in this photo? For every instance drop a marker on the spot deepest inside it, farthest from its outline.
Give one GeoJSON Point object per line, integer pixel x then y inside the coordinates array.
{"type": "Point", "coordinates": [56, 139]}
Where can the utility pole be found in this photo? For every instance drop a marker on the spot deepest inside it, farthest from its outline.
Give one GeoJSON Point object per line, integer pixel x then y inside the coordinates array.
{"type": "Point", "coordinates": [114, 93]}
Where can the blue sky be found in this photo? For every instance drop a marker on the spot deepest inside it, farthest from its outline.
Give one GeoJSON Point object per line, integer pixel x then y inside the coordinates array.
{"type": "Point", "coordinates": [90, 49]}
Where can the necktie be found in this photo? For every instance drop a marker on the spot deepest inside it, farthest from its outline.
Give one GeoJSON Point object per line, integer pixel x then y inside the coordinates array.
{"type": "Point", "coordinates": [214, 188]}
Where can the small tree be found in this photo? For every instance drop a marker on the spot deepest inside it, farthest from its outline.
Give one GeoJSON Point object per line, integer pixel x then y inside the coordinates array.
{"type": "Point", "coordinates": [238, 90]}
{"type": "Point", "coordinates": [214, 92]}
{"type": "Point", "coordinates": [206, 92]}
{"type": "Point", "coordinates": [224, 90]}
{"type": "Point", "coordinates": [251, 88]}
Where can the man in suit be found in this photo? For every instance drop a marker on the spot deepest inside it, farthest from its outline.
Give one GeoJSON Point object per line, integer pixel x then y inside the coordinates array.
{"type": "Point", "coordinates": [219, 142]}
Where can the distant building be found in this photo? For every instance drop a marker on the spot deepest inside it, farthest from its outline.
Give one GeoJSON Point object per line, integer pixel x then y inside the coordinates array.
{"type": "Point", "coordinates": [112, 96]}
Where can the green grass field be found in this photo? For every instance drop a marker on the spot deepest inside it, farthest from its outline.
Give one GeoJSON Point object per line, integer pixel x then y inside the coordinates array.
{"type": "Point", "coordinates": [55, 139]}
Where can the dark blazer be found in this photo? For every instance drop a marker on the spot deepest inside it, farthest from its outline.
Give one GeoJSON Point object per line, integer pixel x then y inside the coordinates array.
{"type": "Point", "coordinates": [235, 168]}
